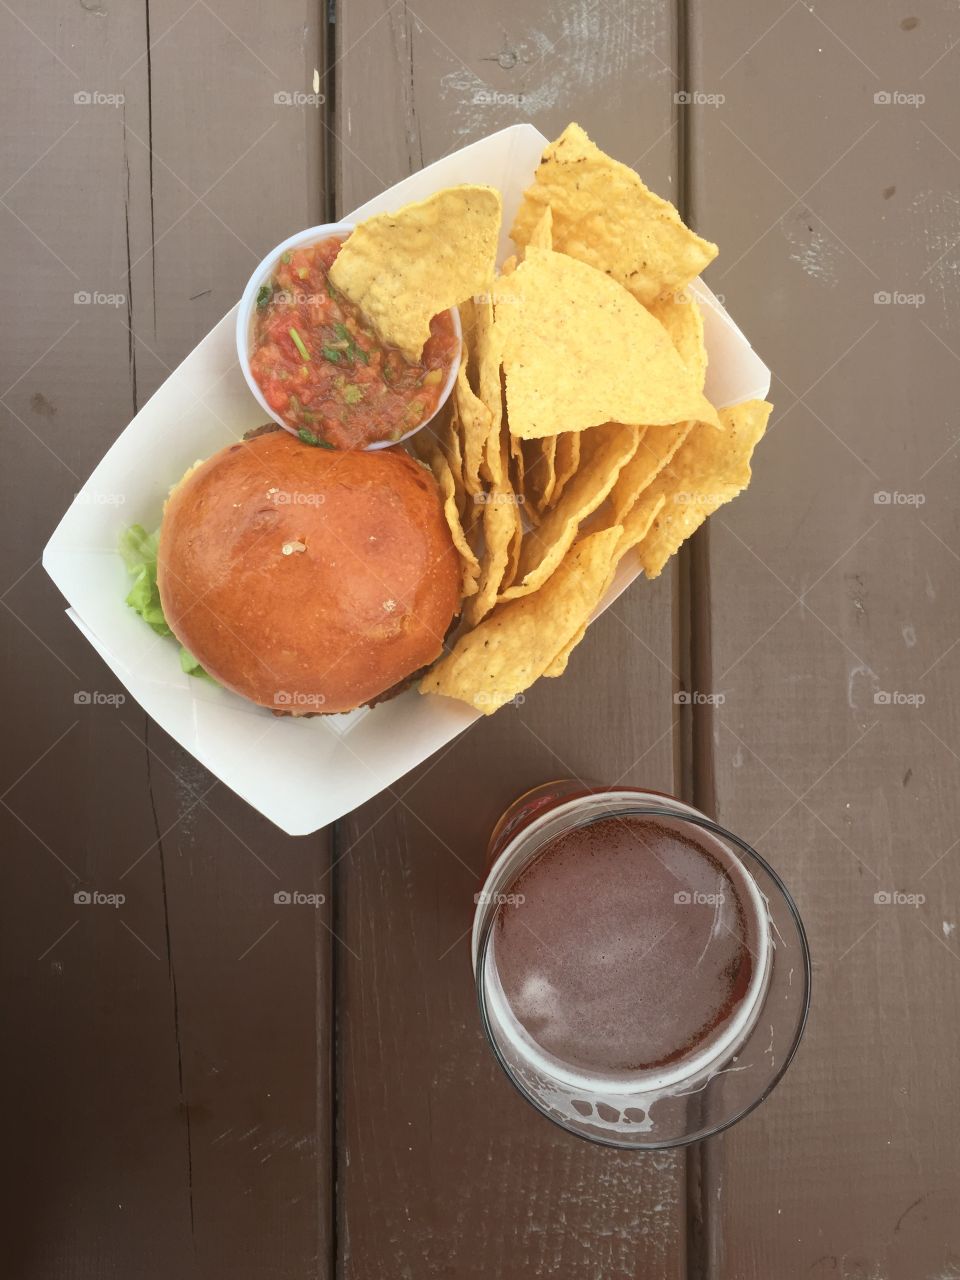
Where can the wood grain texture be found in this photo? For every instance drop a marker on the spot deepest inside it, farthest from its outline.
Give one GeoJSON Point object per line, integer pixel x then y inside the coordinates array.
{"type": "Point", "coordinates": [833, 613]}
{"type": "Point", "coordinates": [442, 1169]}
{"type": "Point", "coordinates": [167, 1060]}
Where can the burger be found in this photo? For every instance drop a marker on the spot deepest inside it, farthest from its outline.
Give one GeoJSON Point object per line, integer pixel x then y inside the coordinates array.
{"type": "Point", "coordinates": [307, 580]}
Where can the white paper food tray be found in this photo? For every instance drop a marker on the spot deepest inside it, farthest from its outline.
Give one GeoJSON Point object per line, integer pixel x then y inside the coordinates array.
{"type": "Point", "coordinates": [302, 774]}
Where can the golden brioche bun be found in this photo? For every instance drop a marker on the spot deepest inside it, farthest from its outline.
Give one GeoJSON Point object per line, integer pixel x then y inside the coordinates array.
{"type": "Point", "coordinates": [308, 580]}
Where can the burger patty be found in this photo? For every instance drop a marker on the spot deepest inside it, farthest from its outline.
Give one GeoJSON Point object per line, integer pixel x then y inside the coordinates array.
{"type": "Point", "coordinates": [261, 431]}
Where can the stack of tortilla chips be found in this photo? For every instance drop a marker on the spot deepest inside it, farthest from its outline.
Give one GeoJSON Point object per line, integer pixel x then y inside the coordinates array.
{"type": "Point", "coordinates": [578, 431]}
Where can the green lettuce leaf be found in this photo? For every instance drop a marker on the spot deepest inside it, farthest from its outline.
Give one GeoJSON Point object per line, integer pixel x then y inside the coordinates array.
{"type": "Point", "coordinates": [139, 551]}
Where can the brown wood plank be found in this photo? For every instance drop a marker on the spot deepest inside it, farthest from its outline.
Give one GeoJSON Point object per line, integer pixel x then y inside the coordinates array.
{"type": "Point", "coordinates": [442, 1170]}
{"type": "Point", "coordinates": [168, 1058]}
{"type": "Point", "coordinates": [821, 598]}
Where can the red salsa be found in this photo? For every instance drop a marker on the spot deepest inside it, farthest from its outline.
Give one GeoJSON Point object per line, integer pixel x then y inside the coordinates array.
{"type": "Point", "coordinates": [324, 371]}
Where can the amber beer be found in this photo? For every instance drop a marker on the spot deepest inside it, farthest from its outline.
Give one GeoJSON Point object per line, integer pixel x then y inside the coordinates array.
{"type": "Point", "coordinates": [623, 952]}
{"type": "Point", "coordinates": [649, 954]}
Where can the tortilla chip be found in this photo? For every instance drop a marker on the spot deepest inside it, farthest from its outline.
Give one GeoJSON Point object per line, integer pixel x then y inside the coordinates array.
{"type": "Point", "coordinates": [500, 521]}
{"type": "Point", "coordinates": [510, 649]}
{"type": "Point", "coordinates": [539, 459]}
{"type": "Point", "coordinates": [448, 434]}
{"type": "Point", "coordinates": [634, 530]}
{"type": "Point", "coordinates": [603, 214]}
{"type": "Point", "coordinates": [559, 665]}
{"type": "Point", "coordinates": [489, 388]}
{"type": "Point", "coordinates": [541, 233]}
{"type": "Point", "coordinates": [468, 328]}
{"type": "Point", "coordinates": [430, 452]}
{"type": "Point", "coordinates": [475, 420]}
{"type": "Point", "coordinates": [404, 268]}
{"type": "Point", "coordinates": [443, 433]}
{"type": "Point", "coordinates": [566, 462]}
{"type": "Point", "coordinates": [708, 470]}
{"type": "Point", "coordinates": [604, 451]}
{"type": "Point", "coordinates": [638, 524]}
{"type": "Point", "coordinates": [578, 351]}
{"type": "Point", "coordinates": [656, 448]}
{"type": "Point", "coordinates": [683, 320]}
{"type": "Point", "coordinates": [518, 464]}
{"type": "Point", "coordinates": [498, 527]}
{"type": "Point", "coordinates": [516, 544]}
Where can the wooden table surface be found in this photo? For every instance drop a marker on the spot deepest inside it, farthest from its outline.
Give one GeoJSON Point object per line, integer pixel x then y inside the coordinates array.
{"type": "Point", "coordinates": [201, 1085]}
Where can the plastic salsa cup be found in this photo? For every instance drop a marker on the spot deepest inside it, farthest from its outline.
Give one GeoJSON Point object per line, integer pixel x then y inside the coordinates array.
{"type": "Point", "coordinates": [247, 316]}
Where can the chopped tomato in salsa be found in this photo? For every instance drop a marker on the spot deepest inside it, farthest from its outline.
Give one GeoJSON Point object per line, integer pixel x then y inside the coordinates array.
{"type": "Point", "coordinates": [324, 371]}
